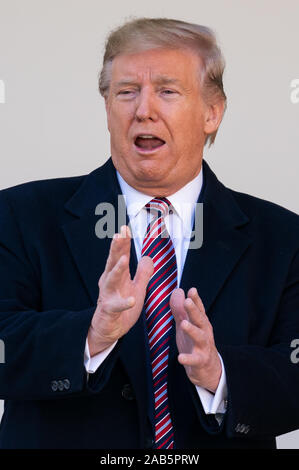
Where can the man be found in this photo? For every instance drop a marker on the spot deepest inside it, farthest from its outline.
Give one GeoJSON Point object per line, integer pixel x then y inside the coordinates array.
{"type": "Point", "coordinates": [103, 349]}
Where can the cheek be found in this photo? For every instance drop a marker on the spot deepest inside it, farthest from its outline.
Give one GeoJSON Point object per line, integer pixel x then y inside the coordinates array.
{"type": "Point", "coordinates": [120, 114]}
{"type": "Point", "coordinates": [193, 128]}
{"type": "Point", "coordinates": [185, 125]}
{"type": "Point", "coordinates": [183, 134]}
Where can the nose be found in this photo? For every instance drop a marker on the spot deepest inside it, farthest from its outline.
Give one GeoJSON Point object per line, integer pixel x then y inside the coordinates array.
{"type": "Point", "coordinates": [146, 108]}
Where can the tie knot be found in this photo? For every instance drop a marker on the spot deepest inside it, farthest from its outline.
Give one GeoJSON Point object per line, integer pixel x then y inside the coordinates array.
{"type": "Point", "coordinates": [158, 206]}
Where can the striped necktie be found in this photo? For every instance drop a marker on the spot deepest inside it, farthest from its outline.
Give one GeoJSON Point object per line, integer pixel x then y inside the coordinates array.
{"type": "Point", "coordinates": [158, 245]}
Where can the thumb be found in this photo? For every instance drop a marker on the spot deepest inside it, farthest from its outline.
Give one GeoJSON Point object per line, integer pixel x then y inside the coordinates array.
{"type": "Point", "coordinates": [177, 299]}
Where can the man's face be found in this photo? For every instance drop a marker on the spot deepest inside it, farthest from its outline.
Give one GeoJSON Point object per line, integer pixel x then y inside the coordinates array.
{"type": "Point", "coordinates": [158, 119]}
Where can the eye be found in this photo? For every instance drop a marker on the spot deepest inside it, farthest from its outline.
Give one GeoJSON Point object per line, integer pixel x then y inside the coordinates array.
{"type": "Point", "coordinates": [125, 92]}
{"type": "Point", "coordinates": [168, 92]}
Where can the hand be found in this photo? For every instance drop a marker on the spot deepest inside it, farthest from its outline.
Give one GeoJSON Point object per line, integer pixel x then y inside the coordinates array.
{"type": "Point", "coordinates": [195, 339]}
{"type": "Point", "coordinates": [120, 299]}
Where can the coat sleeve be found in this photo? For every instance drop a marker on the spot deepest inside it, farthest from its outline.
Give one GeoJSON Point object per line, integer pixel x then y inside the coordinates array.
{"type": "Point", "coordinates": [263, 382]}
{"type": "Point", "coordinates": [43, 350]}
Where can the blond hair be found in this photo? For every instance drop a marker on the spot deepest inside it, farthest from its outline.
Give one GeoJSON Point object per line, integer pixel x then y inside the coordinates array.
{"type": "Point", "coordinates": [149, 33]}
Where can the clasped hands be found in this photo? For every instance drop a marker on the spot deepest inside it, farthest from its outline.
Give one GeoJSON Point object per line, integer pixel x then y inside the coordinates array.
{"type": "Point", "coordinates": [120, 304]}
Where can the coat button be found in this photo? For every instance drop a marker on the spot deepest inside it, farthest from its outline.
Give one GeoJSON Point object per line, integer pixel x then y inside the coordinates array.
{"type": "Point", "coordinates": [127, 392]}
{"type": "Point", "coordinates": [242, 428]}
{"type": "Point", "coordinates": [60, 385]}
{"type": "Point", "coordinates": [247, 429]}
{"type": "Point", "coordinates": [54, 386]}
{"type": "Point", "coordinates": [238, 427]}
{"type": "Point", "coordinates": [66, 384]}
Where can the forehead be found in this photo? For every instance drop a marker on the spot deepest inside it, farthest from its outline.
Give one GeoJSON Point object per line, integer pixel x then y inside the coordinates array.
{"type": "Point", "coordinates": [156, 65]}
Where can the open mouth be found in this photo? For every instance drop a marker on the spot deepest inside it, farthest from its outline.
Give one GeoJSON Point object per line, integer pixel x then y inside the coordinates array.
{"type": "Point", "coordinates": [148, 142]}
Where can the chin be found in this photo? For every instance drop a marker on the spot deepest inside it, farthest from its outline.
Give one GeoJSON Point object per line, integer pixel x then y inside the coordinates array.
{"type": "Point", "coordinates": [151, 172]}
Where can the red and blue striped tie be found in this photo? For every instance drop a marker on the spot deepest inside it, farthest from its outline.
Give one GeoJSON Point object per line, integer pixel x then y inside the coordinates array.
{"type": "Point", "coordinates": [158, 245]}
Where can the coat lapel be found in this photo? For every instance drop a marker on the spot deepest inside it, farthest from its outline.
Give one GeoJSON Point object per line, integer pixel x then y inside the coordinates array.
{"type": "Point", "coordinates": [88, 250]}
{"type": "Point", "coordinates": [90, 254]}
{"type": "Point", "coordinates": [224, 243]}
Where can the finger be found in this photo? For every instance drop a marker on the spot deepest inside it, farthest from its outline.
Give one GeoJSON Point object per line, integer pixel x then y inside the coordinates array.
{"type": "Point", "coordinates": [115, 276]}
{"type": "Point", "coordinates": [113, 255]}
{"type": "Point", "coordinates": [196, 334]}
{"type": "Point", "coordinates": [118, 304]}
{"type": "Point", "coordinates": [120, 245]}
{"type": "Point", "coordinates": [144, 272]}
{"type": "Point", "coordinates": [125, 232]}
{"type": "Point", "coordinates": [177, 300]}
{"type": "Point", "coordinates": [190, 359]}
{"type": "Point", "coordinates": [193, 294]}
{"type": "Point", "coordinates": [195, 314]}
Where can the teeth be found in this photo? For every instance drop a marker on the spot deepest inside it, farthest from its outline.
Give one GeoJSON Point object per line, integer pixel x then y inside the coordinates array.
{"type": "Point", "coordinates": [147, 136]}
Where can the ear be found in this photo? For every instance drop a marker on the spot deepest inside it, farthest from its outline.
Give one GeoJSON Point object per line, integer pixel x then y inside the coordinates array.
{"type": "Point", "coordinates": [107, 112]}
{"type": "Point", "coordinates": [106, 103]}
{"type": "Point", "coordinates": [213, 117]}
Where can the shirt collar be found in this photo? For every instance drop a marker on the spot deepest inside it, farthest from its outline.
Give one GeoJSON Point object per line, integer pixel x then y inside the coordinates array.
{"type": "Point", "coordinates": [183, 201]}
{"type": "Point", "coordinates": [186, 197]}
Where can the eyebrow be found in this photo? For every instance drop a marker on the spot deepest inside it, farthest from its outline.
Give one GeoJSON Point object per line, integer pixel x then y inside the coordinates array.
{"type": "Point", "coordinates": [159, 80]}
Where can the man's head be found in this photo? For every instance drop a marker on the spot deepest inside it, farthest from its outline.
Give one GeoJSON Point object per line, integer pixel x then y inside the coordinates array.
{"type": "Point", "coordinates": [162, 84]}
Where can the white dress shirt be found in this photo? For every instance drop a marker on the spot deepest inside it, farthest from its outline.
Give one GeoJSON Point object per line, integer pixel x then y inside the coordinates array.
{"type": "Point", "coordinates": [179, 223]}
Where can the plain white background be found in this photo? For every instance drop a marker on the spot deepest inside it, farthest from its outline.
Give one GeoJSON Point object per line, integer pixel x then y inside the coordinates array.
{"type": "Point", "coordinates": [53, 121]}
